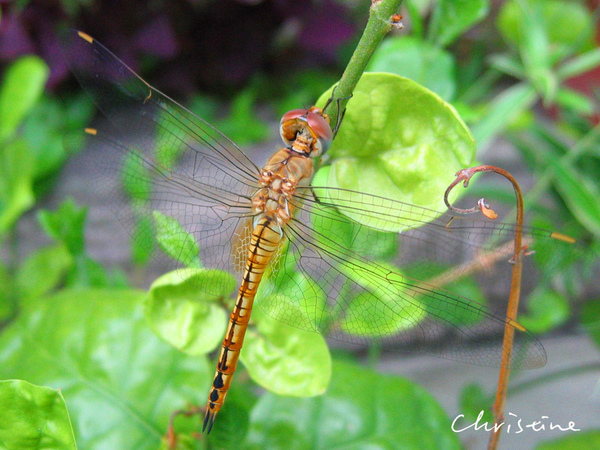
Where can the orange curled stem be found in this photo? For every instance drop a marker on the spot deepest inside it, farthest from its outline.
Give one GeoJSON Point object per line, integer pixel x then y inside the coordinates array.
{"type": "Point", "coordinates": [465, 175]}
{"type": "Point", "coordinates": [515, 288]}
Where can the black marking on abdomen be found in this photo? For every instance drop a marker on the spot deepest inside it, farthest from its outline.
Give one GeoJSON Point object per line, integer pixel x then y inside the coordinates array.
{"type": "Point", "coordinates": [224, 359]}
{"type": "Point", "coordinates": [218, 383]}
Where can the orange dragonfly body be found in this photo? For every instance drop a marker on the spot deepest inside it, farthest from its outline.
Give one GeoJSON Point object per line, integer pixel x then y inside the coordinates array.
{"type": "Point", "coordinates": [307, 133]}
{"type": "Point", "coordinates": [270, 220]}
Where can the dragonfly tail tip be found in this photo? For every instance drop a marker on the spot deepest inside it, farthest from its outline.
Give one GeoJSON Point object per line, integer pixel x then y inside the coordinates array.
{"type": "Point", "coordinates": [209, 420]}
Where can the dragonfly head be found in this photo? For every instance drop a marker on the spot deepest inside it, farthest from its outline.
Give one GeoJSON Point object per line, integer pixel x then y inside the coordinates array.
{"type": "Point", "coordinates": [309, 129]}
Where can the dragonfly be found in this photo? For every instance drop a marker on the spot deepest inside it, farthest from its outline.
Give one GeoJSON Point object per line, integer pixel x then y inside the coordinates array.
{"type": "Point", "coordinates": [276, 230]}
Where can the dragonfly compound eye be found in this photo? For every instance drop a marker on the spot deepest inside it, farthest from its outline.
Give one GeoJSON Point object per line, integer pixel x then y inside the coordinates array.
{"type": "Point", "coordinates": [311, 122]}
{"type": "Point", "coordinates": [290, 124]}
{"type": "Point", "coordinates": [319, 124]}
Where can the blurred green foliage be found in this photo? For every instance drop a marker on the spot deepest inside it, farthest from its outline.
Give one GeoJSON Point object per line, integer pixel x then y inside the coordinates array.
{"type": "Point", "coordinates": [63, 323]}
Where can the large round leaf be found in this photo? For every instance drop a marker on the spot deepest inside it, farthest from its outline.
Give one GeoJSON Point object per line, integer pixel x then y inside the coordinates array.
{"type": "Point", "coordinates": [367, 313]}
{"type": "Point", "coordinates": [284, 359]}
{"type": "Point", "coordinates": [33, 417]}
{"type": "Point", "coordinates": [361, 409]}
{"type": "Point", "coordinates": [120, 382]}
{"type": "Point", "coordinates": [398, 140]}
{"type": "Point", "coordinates": [186, 317]}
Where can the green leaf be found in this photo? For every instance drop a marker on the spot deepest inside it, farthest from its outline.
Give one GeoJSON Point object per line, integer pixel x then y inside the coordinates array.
{"type": "Point", "coordinates": [565, 22]}
{"type": "Point", "coordinates": [300, 87]}
{"type": "Point", "coordinates": [175, 242]}
{"type": "Point", "coordinates": [534, 45]}
{"type": "Point", "coordinates": [324, 221]}
{"type": "Point", "coordinates": [579, 193]}
{"type": "Point", "coordinates": [422, 62]}
{"type": "Point", "coordinates": [287, 287]}
{"type": "Point", "coordinates": [8, 298]}
{"type": "Point", "coordinates": [466, 287]}
{"type": "Point", "coordinates": [284, 359]}
{"type": "Point", "coordinates": [370, 243]}
{"type": "Point", "coordinates": [22, 85]}
{"type": "Point", "coordinates": [243, 125]}
{"type": "Point", "coordinates": [44, 129]}
{"type": "Point", "coordinates": [399, 141]}
{"type": "Point", "coordinates": [452, 17]}
{"type": "Point", "coordinates": [121, 382]}
{"type": "Point", "coordinates": [547, 310]}
{"type": "Point", "coordinates": [502, 112]}
{"type": "Point", "coordinates": [473, 400]}
{"type": "Point", "coordinates": [33, 417]}
{"type": "Point", "coordinates": [41, 130]}
{"type": "Point", "coordinates": [87, 273]}
{"type": "Point", "coordinates": [16, 182]}
{"type": "Point", "coordinates": [590, 320]}
{"type": "Point", "coordinates": [368, 313]}
{"type": "Point", "coordinates": [43, 270]}
{"type": "Point", "coordinates": [361, 409]}
{"type": "Point", "coordinates": [65, 225]}
{"type": "Point", "coordinates": [233, 421]}
{"type": "Point", "coordinates": [78, 111]}
{"type": "Point", "coordinates": [135, 177]}
{"type": "Point", "coordinates": [507, 64]}
{"type": "Point", "coordinates": [184, 308]}
{"type": "Point", "coordinates": [74, 118]}
{"type": "Point", "coordinates": [580, 64]}
{"type": "Point", "coordinates": [143, 243]}
{"type": "Point", "coordinates": [421, 7]}
{"type": "Point", "coordinates": [185, 442]}
{"type": "Point", "coordinates": [544, 31]}
{"type": "Point", "coordinates": [573, 441]}
{"type": "Point", "coordinates": [574, 101]}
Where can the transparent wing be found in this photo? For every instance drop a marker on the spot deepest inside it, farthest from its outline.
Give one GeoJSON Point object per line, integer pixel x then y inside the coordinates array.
{"type": "Point", "coordinates": [383, 282]}
{"type": "Point", "coordinates": [165, 159]}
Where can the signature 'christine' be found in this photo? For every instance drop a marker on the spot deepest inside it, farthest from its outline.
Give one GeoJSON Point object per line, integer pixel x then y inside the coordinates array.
{"type": "Point", "coordinates": [542, 424]}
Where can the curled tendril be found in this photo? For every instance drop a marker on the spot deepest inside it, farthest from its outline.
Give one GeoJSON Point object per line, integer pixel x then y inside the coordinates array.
{"type": "Point", "coordinates": [465, 176]}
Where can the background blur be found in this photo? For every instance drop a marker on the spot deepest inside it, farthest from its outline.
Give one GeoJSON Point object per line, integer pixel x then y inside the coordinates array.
{"type": "Point", "coordinates": [523, 74]}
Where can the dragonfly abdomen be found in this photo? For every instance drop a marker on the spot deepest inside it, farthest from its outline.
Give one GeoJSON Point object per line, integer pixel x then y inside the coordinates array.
{"type": "Point", "coordinates": [287, 169]}
{"type": "Point", "coordinates": [266, 237]}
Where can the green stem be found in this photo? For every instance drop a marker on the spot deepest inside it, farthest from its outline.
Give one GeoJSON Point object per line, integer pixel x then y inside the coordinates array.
{"type": "Point", "coordinates": [378, 25]}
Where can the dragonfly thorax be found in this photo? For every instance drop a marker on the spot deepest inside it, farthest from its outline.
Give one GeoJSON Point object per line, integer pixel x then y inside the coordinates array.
{"type": "Point", "coordinates": [279, 178]}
